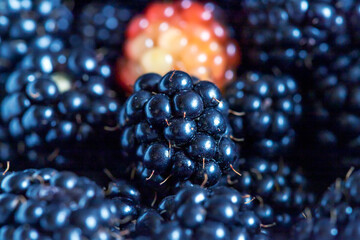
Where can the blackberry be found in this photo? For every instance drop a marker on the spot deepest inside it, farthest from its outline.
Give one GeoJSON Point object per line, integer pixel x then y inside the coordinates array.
{"type": "Point", "coordinates": [103, 24]}
{"type": "Point", "coordinates": [22, 22]}
{"type": "Point", "coordinates": [271, 104]}
{"type": "Point", "coordinates": [197, 213]}
{"type": "Point", "coordinates": [128, 201]}
{"type": "Point", "coordinates": [55, 103]}
{"type": "Point", "coordinates": [291, 34]}
{"type": "Point", "coordinates": [282, 192]}
{"type": "Point", "coordinates": [177, 128]}
{"type": "Point", "coordinates": [336, 215]}
{"type": "Point", "coordinates": [353, 17]}
{"type": "Point", "coordinates": [335, 110]}
{"type": "Point", "coordinates": [47, 204]}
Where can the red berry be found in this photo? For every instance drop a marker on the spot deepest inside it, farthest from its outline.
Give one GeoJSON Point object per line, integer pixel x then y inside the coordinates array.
{"type": "Point", "coordinates": [183, 36]}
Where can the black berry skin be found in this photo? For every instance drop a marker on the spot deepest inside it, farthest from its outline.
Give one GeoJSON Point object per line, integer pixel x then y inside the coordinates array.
{"type": "Point", "coordinates": [177, 130]}
{"type": "Point", "coordinates": [271, 104]}
{"type": "Point", "coordinates": [198, 213]}
{"type": "Point", "coordinates": [282, 192]}
{"type": "Point", "coordinates": [334, 108]}
{"type": "Point", "coordinates": [290, 35]}
{"type": "Point", "coordinates": [30, 26]}
{"type": "Point", "coordinates": [341, 198]}
{"type": "Point", "coordinates": [128, 201]}
{"type": "Point", "coordinates": [53, 108]}
{"type": "Point", "coordinates": [47, 204]}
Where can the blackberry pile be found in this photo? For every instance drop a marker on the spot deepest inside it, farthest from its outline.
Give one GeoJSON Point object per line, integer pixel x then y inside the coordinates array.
{"type": "Point", "coordinates": [177, 138]}
{"type": "Point", "coordinates": [103, 25]}
{"type": "Point", "coordinates": [292, 34]}
{"type": "Point", "coordinates": [27, 27]}
{"type": "Point", "coordinates": [176, 127]}
{"type": "Point", "coordinates": [272, 106]}
{"type": "Point", "coordinates": [57, 105]}
{"type": "Point", "coordinates": [282, 193]}
{"type": "Point", "coordinates": [197, 213]}
{"type": "Point", "coordinates": [337, 214]}
{"type": "Point", "coordinates": [336, 108]}
{"type": "Point", "coordinates": [47, 204]}
{"type": "Point", "coordinates": [23, 22]}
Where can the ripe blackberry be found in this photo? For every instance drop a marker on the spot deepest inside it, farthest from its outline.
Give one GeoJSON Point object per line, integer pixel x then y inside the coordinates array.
{"type": "Point", "coordinates": [103, 25]}
{"type": "Point", "coordinates": [128, 201]}
{"type": "Point", "coordinates": [291, 34]}
{"type": "Point", "coordinates": [47, 204]}
{"type": "Point", "coordinates": [197, 213]}
{"type": "Point", "coordinates": [281, 191]}
{"type": "Point", "coordinates": [177, 128]}
{"type": "Point", "coordinates": [271, 104]}
{"type": "Point", "coordinates": [57, 102]}
{"type": "Point", "coordinates": [22, 22]}
{"type": "Point", "coordinates": [335, 108]}
{"type": "Point", "coordinates": [337, 214]}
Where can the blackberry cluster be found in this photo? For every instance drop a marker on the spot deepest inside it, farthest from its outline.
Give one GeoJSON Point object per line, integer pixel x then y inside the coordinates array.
{"type": "Point", "coordinates": [55, 103]}
{"type": "Point", "coordinates": [23, 23]}
{"type": "Point", "coordinates": [281, 191]}
{"type": "Point", "coordinates": [271, 104]}
{"type": "Point", "coordinates": [177, 128]}
{"type": "Point", "coordinates": [292, 34]}
{"type": "Point", "coordinates": [336, 105]}
{"type": "Point", "coordinates": [337, 214]}
{"type": "Point", "coordinates": [103, 25]}
{"type": "Point", "coordinates": [197, 213]}
{"type": "Point", "coordinates": [47, 204]}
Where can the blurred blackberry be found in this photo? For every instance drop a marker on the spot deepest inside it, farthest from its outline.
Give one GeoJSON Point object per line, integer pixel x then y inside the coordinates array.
{"type": "Point", "coordinates": [103, 24]}
{"type": "Point", "coordinates": [282, 192]}
{"type": "Point", "coordinates": [291, 34]}
{"type": "Point", "coordinates": [21, 22]}
{"type": "Point", "coordinates": [47, 204]}
{"type": "Point", "coordinates": [176, 128]}
{"type": "Point", "coordinates": [197, 213]}
{"type": "Point", "coordinates": [7, 149]}
{"type": "Point", "coordinates": [57, 102]}
{"type": "Point", "coordinates": [335, 109]}
{"type": "Point", "coordinates": [353, 18]}
{"type": "Point", "coordinates": [337, 215]}
{"type": "Point", "coordinates": [271, 104]}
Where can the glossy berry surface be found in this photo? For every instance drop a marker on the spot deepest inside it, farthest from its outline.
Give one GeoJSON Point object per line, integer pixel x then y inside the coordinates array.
{"type": "Point", "coordinates": [183, 35]}
{"type": "Point", "coordinates": [47, 204]}
{"type": "Point", "coordinates": [271, 104]}
{"type": "Point", "coordinates": [198, 213]}
{"type": "Point", "coordinates": [292, 34]}
{"type": "Point", "coordinates": [29, 25]}
{"type": "Point", "coordinates": [128, 201]}
{"type": "Point", "coordinates": [177, 130]}
{"type": "Point", "coordinates": [282, 192]}
{"type": "Point", "coordinates": [56, 101]}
